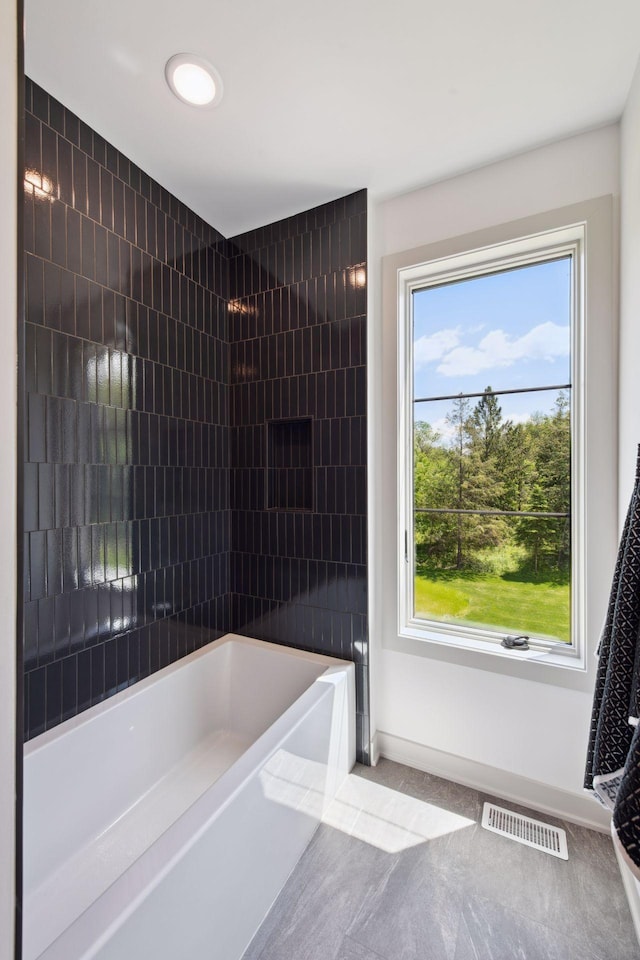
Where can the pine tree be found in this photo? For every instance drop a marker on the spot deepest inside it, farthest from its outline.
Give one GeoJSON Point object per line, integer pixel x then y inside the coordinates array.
{"type": "Point", "coordinates": [516, 463]}
{"type": "Point", "coordinates": [536, 533]}
{"type": "Point", "coordinates": [486, 424]}
{"type": "Point", "coordinates": [458, 419]}
{"type": "Point", "coordinates": [551, 439]}
{"type": "Point", "coordinates": [478, 482]}
{"type": "Point", "coordinates": [433, 486]}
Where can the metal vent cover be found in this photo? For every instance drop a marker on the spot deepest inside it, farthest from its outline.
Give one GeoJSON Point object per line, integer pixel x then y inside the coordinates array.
{"type": "Point", "coordinates": [532, 833]}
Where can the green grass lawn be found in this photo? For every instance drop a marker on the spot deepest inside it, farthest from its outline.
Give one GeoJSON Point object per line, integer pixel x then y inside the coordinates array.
{"type": "Point", "coordinates": [509, 603]}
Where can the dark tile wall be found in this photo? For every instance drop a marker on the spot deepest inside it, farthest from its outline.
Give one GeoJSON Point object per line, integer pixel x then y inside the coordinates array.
{"type": "Point", "coordinates": [195, 426]}
{"type": "Point", "coordinates": [298, 350]}
{"type": "Point", "coordinates": [126, 520]}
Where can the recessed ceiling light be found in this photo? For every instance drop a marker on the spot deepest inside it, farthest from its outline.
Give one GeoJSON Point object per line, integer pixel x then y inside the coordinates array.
{"type": "Point", "coordinates": [194, 80]}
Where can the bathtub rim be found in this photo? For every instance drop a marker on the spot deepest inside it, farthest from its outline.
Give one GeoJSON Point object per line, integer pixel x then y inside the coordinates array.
{"type": "Point", "coordinates": [136, 689]}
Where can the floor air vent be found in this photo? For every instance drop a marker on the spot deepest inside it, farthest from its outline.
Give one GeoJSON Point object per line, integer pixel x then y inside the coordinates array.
{"type": "Point", "coordinates": [533, 833]}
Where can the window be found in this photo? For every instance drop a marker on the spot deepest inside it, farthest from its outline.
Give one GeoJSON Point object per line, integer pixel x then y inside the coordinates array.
{"type": "Point", "coordinates": [490, 444]}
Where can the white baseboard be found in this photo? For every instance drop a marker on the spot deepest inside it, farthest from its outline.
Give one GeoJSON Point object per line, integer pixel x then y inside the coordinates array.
{"type": "Point", "coordinates": [500, 783]}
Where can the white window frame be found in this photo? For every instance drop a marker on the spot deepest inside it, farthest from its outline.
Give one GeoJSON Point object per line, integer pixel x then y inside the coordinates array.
{"type": "Point", "coordinates": [533, 248]}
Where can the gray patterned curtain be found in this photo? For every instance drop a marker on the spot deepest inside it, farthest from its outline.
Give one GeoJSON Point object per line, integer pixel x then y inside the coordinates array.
{"type": "Point", "coordinates": [613, 760]}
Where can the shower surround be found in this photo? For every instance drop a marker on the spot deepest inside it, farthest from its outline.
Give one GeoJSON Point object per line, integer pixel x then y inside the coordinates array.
{"type": "Point", "coordinates": [299, 435]}
{"type": "Point", "coordinates": [194, 426]}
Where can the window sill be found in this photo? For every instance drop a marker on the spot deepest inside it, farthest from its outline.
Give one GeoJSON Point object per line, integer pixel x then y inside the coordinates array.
{"type": "Point", "coordinates": [544, 665]}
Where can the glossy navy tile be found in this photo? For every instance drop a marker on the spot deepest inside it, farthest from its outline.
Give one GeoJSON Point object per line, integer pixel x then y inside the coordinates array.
{"type": "Point", "coordinates": [69, 688]}
{"type": "Point", "coordinates": [84, 680]}
{"type": "Point", "coordinates": [104, 330]}
{"type": "Point", "coordinates": [36, 700]}
{"type": "Point", "coordinates": [86, 139]}
{"type": "Point", "coordinates": [53, 693]}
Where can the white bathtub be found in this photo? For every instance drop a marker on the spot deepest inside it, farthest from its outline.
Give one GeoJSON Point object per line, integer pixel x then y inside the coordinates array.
{"type": "Point", "coordinates": [163, 822]}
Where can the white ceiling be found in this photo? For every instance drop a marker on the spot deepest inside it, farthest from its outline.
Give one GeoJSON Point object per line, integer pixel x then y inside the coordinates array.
{"type": "Point", "coordinates": [323, 98]}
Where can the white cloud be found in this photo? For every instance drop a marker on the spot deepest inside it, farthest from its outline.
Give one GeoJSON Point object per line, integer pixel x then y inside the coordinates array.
{"type": "Point", "coordinates": [446, 430]}
{"type": "Point", "coordinates": [516, 418]}
{"type": "Point", "coordinates": [544, 342]}
{"type": "Point", "coordinates": [434, 347]}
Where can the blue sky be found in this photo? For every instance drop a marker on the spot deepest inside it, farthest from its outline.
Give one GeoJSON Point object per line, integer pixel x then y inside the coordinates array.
{"type": "Point", "coordinates": [506, 330]}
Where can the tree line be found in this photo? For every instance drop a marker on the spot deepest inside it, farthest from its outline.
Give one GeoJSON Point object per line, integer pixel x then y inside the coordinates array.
{"type": "Point", "coordinates": [489, 463]}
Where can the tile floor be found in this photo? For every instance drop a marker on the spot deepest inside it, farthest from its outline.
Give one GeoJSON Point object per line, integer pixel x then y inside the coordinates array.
{"type": "Point", "coordinates": [402, 870]}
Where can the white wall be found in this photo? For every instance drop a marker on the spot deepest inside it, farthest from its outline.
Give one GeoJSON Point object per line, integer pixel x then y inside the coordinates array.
{"type": "Point", "coordinates": [629, 413]}
{"type": "Point", "coordinates": [8, 394]}
{"type": "Point", "coordinates": [482, 714]}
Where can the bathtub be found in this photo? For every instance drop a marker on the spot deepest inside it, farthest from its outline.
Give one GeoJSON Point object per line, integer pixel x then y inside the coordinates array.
{"type": "Point", "coordinates": [163, 822]}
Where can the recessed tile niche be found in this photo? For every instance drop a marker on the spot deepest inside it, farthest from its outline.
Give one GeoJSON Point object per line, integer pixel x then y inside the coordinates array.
{"type": "Point", "coordinates": [290, 464]}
